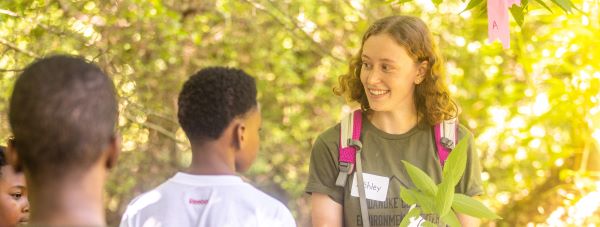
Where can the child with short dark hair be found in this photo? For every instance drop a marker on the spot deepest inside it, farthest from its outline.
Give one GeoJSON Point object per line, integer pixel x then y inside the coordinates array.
{"type": "Point", "coordinates": [219, 114]}
{"type": "Point", "coordinates": [63, 114]}
{"type": "Point", "coordinates": [14, 207]}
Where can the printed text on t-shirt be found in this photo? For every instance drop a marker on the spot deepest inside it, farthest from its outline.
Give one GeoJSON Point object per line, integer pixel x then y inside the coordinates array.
{"type": "Point", "coordinates": [198, 201]}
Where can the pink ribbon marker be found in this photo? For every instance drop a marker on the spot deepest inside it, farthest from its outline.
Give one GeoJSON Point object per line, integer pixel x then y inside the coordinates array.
{"type": "Point", "coordinates": [498, 20]}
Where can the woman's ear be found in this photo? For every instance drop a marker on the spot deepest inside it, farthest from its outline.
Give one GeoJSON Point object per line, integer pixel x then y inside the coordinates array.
{"type": "Point", "coordinates": [12, 157]}
{"type": "Point", "coordinates": [113, 151]}
{"type": "Point", "coordinates": [421, 71]}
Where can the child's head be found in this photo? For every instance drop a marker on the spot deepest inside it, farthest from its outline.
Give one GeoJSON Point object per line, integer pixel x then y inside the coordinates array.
{"type": "Point", "coordinates": [63, 113]}
{"type": "Point", "coordinates": [218, 98]}
{"type": "Point", "coordinates": [411, 34]}
{"type": "Point", "coordinates": [14, 206]}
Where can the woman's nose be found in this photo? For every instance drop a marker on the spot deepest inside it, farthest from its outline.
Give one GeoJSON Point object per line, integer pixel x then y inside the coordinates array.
{"type": "Point", "coordinates": [372, 77]}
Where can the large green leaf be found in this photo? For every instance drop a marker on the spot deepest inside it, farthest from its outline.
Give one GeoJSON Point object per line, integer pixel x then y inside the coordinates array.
{"type": "Point", "coordinates": [451, 219]}
{"type": "Point", "coordinates": [472, 4]}
{"type": "Point", "coordinates": [421, 180]}
{"type": "Point", "coordinates": [544, 5]}
{"type": "Point", "coordinates": [429, 224]}
{"type": "Point", "coordinates": [444, 197]}
{"type": "Point", "coordinates": [456, 162]}
{"type": "Point", "coordinates": [414, 212]}
{"type": "Point", "coordinates": [565, 5]}
{"type": "Point", "coordinates": [406, 196]}
{"type": "Point", "coordinates": [467, 205]}
{"type": "Point", "coordinates": [426, 202]}
{"type": "Point", "coordinates": [517, 13]}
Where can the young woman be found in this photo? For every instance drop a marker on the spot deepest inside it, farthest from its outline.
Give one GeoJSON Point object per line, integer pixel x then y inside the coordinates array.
{"type": "Point", "coordinates": [397, 78]}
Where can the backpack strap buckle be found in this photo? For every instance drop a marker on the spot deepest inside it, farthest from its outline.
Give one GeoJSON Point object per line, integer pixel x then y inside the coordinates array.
{"type": "Point", "coordinates": [447, 143]}
{"type": "Point", "coordinates": [449, 130]}
{"type": "Point", "coordinates": [346, 168]}
{"type": "Point", "coordinates": [355, 143]}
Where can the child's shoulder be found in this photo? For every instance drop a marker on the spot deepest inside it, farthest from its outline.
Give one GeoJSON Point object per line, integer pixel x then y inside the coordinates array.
{"type": "Point", "coordinates": [253, 196]}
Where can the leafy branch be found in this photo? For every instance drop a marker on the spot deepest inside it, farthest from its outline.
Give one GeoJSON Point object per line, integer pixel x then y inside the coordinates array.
{"type": "Point", "coordinates": [153, 126]}
{"type": "Point", "coordinates": [17, 49]}
{"type": "Point", "coordinates": [518, 12]}
{"type": "Point", "coordinates": [441, 199]}
{"type": "Point", "coordinates": [11, 70]}
{"type": "Point", "coordinates": [319, 48]}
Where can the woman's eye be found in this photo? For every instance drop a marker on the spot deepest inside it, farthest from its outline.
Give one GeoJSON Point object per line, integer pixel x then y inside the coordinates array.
{"type": "Point", "coordinates": [366, 65]}
{"type": "Point", "coordinates": [386, 68]}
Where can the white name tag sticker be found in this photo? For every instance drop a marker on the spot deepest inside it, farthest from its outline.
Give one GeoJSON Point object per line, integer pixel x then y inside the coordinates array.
{"type": "Point", "coordinates": [415, 221]}
{"type": "Point", "coordinates": [376, 187]}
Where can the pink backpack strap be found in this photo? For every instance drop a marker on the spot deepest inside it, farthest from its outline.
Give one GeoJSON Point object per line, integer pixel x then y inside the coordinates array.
{"type": "Point", "coordinates": [350, 129]}
{"type": "Point", "coordinates": [445, 138]}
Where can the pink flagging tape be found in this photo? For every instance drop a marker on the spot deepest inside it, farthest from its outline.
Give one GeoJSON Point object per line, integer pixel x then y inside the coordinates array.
{"type": "Point", "coordinates": [498, 22]}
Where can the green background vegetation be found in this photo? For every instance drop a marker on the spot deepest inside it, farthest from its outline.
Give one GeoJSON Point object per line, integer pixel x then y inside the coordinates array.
{"type": "Point", "coordinates": [534, 108]}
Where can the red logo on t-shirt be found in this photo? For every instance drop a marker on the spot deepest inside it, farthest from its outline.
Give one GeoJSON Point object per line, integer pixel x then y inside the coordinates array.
{"type": "Point", "coordinates": [198, 201]}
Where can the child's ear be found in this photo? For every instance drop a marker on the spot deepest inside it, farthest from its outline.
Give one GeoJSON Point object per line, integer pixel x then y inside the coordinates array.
{"type": "Point", "coordinates": [113, 151]}
{"type": "Point", "coordinates": [238, 134]}
{"type": "Point", "coordinates": [12, 157]}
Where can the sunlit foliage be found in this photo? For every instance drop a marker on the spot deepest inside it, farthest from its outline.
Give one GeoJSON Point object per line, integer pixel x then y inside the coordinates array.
{"type": "Point", "coordinates": [534, 108]}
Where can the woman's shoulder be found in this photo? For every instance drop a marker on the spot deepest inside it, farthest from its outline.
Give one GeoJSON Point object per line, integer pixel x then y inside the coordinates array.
{"type": "Point", "coordinates": [463, 132]}
{"type": "Point", "coordinates": [330, 135]}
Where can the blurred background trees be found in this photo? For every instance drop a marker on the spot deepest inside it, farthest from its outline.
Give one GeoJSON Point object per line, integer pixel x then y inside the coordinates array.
{"type": "Point", "coordinates": [534, 108]}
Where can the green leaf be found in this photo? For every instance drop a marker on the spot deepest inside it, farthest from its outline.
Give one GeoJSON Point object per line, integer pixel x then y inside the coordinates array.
{"type": "Point", "coordinates": [414, 212]}
{"type": "Point", "coordinates": [406, 196]}
{"type": "Point", "coordinates": [443, 200]}
{"type": "Point", "coordinates": [517, 13]}
{"type": "Point", "coordinates": [451, 219]}
{"type": "Point", "coordinates": [456, 162]}
{"type": "Point", "coordinates": [436, 2]}
{"type": "Point", "coordinates": [467, 205]}
{"type": "Point", "coordinates": [472, 5]}
{"type": "Point", "coordinates": [424, 201]}
{"type": "Point", "coordinates": [421, 180]}
{"type": "Point", "coordinates": [565, 5]}
{"type": "Point", "coordinates": [544, 5]}
{"type": "Point", "coordinates": [428, 224]}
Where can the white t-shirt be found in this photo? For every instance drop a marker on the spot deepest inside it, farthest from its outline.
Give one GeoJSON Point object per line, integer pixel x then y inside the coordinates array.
{"type": "Point", "coordinates": [206, 200]}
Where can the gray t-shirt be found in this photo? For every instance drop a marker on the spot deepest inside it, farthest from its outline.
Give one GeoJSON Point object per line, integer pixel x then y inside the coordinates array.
{"type": "Point", "coordinates": [382, 154]}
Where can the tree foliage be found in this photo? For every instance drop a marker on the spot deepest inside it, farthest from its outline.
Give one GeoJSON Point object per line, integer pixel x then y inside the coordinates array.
{"type": "Point", "coordinates": [534, 108]}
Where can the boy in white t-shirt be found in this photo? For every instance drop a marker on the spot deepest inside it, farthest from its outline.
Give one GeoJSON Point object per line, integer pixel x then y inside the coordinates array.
{"type": "Point", "coordinates": [219, 114]}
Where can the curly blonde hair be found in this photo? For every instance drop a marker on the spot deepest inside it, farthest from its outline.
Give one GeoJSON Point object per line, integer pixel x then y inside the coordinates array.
{"type": "Point", "coordinates": [431, 96]}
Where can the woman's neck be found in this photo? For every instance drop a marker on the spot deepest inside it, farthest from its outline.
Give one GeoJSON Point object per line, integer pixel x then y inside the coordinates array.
{"type": "Point", "coordinates": [399, 121]}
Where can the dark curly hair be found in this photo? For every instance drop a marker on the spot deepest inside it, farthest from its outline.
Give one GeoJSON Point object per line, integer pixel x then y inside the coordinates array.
{"type": "Point", "coordinates": [211, 98]}
{"type": "Point", "coordinates": [63, 113]}
{"type": "Point", "coordinates": [432, 98]}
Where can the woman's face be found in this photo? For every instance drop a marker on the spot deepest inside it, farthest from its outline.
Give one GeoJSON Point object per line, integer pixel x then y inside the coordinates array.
{"type": "Point", "coordinates": [14, 206]}
{"type": "Point", "coordinates": [388, 74]}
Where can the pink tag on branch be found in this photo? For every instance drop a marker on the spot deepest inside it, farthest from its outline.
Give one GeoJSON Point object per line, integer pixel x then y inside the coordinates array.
{"type": "Point", "coordinates": [498, 20]}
